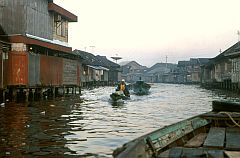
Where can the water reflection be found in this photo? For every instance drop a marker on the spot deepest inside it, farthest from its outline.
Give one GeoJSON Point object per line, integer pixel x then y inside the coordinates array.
{"type": "Point", "coordinates": [13, 129]}
{"type": "Point", "coordinates": [92, 126]}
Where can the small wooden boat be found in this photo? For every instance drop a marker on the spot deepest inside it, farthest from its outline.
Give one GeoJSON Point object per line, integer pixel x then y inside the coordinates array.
{"type": "Point", "coordinates": [214, 134]}
{"type": "Point", "coordinates": [141, 88]}
{"type": "Point", "coordinates": [119, 95]}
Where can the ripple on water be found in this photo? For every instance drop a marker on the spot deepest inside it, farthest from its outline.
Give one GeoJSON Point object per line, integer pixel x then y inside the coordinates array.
{"type": "Point", "coordinates": [93, 126]}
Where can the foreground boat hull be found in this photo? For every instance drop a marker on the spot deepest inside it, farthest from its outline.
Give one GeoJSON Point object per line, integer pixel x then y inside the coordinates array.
{"type": "Point", "coordinates": [207, 135]}
{"type": "Point", "coordinates": [144, 146]}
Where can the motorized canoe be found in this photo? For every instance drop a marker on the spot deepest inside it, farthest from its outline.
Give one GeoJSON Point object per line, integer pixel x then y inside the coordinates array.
{"type": "Point", "coordinates": [215, 134]}
{"type": "Point", "coordinates": [141, 88]}
{"type": "Point", "coordinates": [118, 95]}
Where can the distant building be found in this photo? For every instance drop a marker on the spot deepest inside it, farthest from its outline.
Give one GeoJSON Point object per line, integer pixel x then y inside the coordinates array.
{"type": "Point", "coordinates": [161, 72]}
{"type": "Point", "coordinates": [132, 71]}
{"type": "Point", "coordinates": [97, 68]}
{"type": "Point", "coordinates": [114, 69]}
{"type": "Point", "coordinates": [190, 71]}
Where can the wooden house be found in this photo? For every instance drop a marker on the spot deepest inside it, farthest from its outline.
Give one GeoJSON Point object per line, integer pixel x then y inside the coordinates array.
{"type": "Point", "coordinates": [94, 71]}
{"type": "Point", "coordinates": [114, 75]}
{"type": "Point", "coordinates": [40, 55]}
{"type": "Point", "coordinates": [233, 54]}
{"type": "Point", "coordinates": [161, 72]}
{"type": "Point", "coordinates": [190, 71]}
{"type": "Point", "coordinates": [132, 71]}
{"type": "Point", "coordinates": [218, 72]}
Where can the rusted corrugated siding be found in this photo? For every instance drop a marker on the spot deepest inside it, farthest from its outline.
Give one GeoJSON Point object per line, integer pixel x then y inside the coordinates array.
{"type": "Point", "coordinates": [51, 69]}
{"type": "Point", "coordinates": [34, 69]}
{"type": "Point", "coordinates": [69, 72]}
{"type": "Point", "coordinates": [18, 68]}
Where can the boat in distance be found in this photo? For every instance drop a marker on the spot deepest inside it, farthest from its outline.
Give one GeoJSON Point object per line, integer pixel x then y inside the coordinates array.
{"type": "Point", "coordinates": [141, 88]}
{"type": "Point", "coordinates": [214, 134]}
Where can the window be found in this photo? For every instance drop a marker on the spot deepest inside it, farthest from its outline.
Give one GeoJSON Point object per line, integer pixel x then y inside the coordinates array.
{"type": "Point", "coordinates": [2, 3]}
{"type": "Point", "coordinates": [60, 26]}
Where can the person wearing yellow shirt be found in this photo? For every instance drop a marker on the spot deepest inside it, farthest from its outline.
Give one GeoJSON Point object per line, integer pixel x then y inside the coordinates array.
{"type": "Point", "coordinates": [123, 87]}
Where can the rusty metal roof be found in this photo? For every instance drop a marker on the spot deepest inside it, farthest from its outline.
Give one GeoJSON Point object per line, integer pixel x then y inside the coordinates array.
{"type": "Point", "coordinates": [65, 13]}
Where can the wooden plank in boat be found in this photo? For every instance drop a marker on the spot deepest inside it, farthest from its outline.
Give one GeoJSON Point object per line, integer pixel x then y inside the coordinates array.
{"type": "Point", "coordinates": [232, 154]}
{"type": "Point", "coordinates": [164, 154]}
{"type": "Point", "coordinates": [215, 138]}
{"type": "Point", "coordinates": [201, 152]}
{"type": "Point", "coordinates": [233, 138]}
{"type": "Point", "coordinates": [215, 153]}
{"type": "Point", "coordinates": [177, 152]}
{"type": "Point", "coordinates": [196, 141]}
{"type": "Point", "coordinates": [192, 152]}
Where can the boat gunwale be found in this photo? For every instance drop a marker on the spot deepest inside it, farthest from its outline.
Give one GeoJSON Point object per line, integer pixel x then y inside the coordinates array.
{"type": "Point", "coordinates": [145, 138]}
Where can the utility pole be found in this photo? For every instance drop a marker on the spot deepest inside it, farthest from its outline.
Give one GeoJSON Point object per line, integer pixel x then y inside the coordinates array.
{"type": "Point", "coordinates": [166, 60]}
{"type": "Point", "coordinates": [92, 48]}
{"type": "Point", "coordinates": [238, 33]}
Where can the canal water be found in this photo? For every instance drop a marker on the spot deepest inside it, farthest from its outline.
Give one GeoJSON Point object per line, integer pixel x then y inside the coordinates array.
{"type": "Point", "coordinates": [91, 126]}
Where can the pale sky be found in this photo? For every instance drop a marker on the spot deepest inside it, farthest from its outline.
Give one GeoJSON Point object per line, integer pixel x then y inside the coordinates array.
{"type": "Point", "coordinates": [149, 30]}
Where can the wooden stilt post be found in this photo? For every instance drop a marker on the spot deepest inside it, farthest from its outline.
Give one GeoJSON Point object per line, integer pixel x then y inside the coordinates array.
{"type": "Point", "coordinates": [33, 94]}
{"type": "Point", "coordinates": [72, 90]}
{"type": "Point", "coordinates": [4, 97]}
{"type": "Point", "coordinates": [26, 95]}
{"type": "Point", "coordinates": [54, 92]}
{"type": "Point", "coordinates": [41, 94]}
{"type": "Point", "coordinates": [14, 95]}
{"type": "Point", "coordinates": [64, 89]}
{"type": "Point", "coordinates": [67, 90]}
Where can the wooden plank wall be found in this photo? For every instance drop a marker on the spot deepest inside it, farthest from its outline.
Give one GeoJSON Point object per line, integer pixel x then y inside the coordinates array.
{"type": "Point", "coordinates": [39, 20]}
{"type": "Point", "coordinates": [12, 19]}
{"type": "Point", "coordinates": [69, 72]}
{"type": "Point", "coordinates": [26, 16]}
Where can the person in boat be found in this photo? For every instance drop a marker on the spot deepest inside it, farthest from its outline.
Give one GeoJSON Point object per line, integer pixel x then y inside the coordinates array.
{"type": "Point", "coordinates": [123, 87]}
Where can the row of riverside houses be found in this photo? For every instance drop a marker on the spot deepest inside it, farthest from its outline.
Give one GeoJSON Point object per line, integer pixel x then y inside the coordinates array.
{"type": "Point", "coordinates": [183, 72]}
{"type": "Point", "coordinates": [36, 60]}
{"type": "Point", "coordinates": [97, 70]}
{"type": "Point", "coordinates": [223, 71]}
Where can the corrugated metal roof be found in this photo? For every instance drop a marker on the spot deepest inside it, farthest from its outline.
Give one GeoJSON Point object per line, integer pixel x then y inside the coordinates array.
{"type": "Point", "coordinates": [47, 40]}
{"type": "Point", "coordinates": [98, 67]}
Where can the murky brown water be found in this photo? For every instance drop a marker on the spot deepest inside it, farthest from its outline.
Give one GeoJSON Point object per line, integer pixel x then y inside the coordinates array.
{"type": "Point", "coordinates": [95, 127]}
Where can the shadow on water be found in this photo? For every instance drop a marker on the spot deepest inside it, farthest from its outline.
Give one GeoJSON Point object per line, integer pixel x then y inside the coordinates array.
{"type": "Point", "coordinates": [117, 104]}
{"type": "Point", "coordinates": [35, 129]}
{"type": "Point", "coordinates": [92, 126]}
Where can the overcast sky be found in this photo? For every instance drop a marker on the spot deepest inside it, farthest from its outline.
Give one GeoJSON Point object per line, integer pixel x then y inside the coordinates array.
{"type": "Point", "coordinates": [149, 30]}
